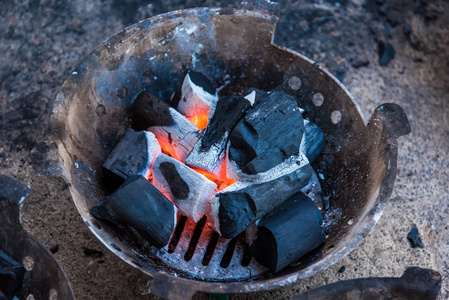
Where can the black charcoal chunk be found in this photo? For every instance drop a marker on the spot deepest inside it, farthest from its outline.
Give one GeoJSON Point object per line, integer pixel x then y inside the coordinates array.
{"type": "Point", "coordinates": [228, 112]}
{"type": "Point", "coordinates": [386, 53]}
{"type": "Point", "coordinates": [147, 110]}
{"type": "Point", "coordinates": [11, 275]}
{"type": "Point", "coordinates": [270, 132]}
{"type": "Point", "coordinates": [237, 211]}
{"type": "Point", "coordinates": [414, 238]}
{"type": "Point", "coordinates": [245, 202]}
{"type": "Point", "coordinates": [133, 155]}
{"type": "Point", "coordinates": [407, 29]}
{"type": "Point", "coordinates": [253, 95]}
{"type": "Point", "coordinates": [2, 296]}
{"type": "Point", "coordinates": [139, 204]}
{"type": "Point", "coordinates": [312, 142]}
{"type": "Point", "coordinates": [290, 231]}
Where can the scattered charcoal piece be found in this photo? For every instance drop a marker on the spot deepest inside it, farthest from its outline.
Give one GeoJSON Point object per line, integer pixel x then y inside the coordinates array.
{"type": "Point", "coordinates": [253, 95]}
{"type": "Point", "coordinates": [189, 190]}
{"type": "Point", "coordinates": [178, 139]}
{"type": "Point", "coordinates": [342, 269]}
{"type": "Point", "coordinates": [54, 249]}
{"type": "Point", "coordinates": [270, 132]}
{"type": "Point", "coordinates": [386, 53]}
{"type": "Point", "coordinates": [313, 191]}
{"type": "Point", "coordinates": [359, 62]}
{"type": "Point", "coordinates": [139, 204]}
{"type": "Point", "coordinates": [407, 29]}
{"type": "Point", "coordinates": [92, 252]}
{"type": "Point", "coordinates": [290, 231]}
{"type": "Point", "coordinates": [133, 155]}
{"type": "Point", "coordinates": [208, 152]}
{"type": "Point", "coordinates": [11, 275]}
{"type": "Point", "coordinates": [312, 142]}
{"type": "Point", "coordinates": [245, 202]}
{"type": "Point", "coordinates": [147, 110]}
{"type": "Point", "coordinates": [196, 99]}
{"type": "Point", "coordinates": [417, 60]}
{"type": "Point", "coordinates": [414, 238]}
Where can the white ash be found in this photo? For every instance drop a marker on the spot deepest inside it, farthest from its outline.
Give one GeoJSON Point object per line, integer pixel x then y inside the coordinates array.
{"type": "Point", "coordinates": [154, 149]}
{"type": "Point", "coordinates": [200, 189]}
{"type": "Point", "coordinates": [211, 160]}
{"type": "Point", "coordinates": [195, 99]}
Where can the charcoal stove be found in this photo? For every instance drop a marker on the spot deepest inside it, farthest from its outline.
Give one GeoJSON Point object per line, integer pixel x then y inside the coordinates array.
{"type": "Point", "coordinates": [234, 48]}
{"type": "Point", "coordinates": [44, 278]}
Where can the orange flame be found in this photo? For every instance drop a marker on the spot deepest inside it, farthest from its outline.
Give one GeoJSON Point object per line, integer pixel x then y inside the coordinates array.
{"type": "Point", "coordinates": [200, 119]}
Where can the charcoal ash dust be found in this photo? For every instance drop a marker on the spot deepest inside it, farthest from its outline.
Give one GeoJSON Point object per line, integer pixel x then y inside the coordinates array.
{"type": "Point", "coordinates": [230, 161]}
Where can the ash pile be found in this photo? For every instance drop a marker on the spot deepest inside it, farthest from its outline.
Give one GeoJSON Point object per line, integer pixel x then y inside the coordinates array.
{"type": "Point", "coordinates": [239, 163]}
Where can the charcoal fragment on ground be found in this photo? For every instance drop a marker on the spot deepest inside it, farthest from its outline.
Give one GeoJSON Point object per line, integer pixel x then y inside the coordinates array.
{"type": "Point", "coordinates": [386, 53]}
{"type": "Point", "coordinates": [270, 132]}
{"type": "Point", "coordinates": [288, 232]}
{"type": "Point", "coordinates": [140, 205]}
{"type": "Point", "coordinates": [54, 249]}
{"type": "Point", "coordinates": [11, 275]}
{"type": "Point", "coordinates": [133, 155]}
{"type": "Point", "coordinates": [414, 238]}
{"type": "Point", "coordinates": [92, 252]}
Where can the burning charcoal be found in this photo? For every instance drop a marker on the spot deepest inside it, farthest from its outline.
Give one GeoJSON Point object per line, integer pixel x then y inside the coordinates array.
{"type": "Point", "coordinates": [189, 190]}
{"type": "Point", "coordinates": [133, 155]}
{"type": "Point", "coordinates": [178, 139]}
{"type": "Point", "coordinates": [208, 152]}
{"type": "Point", "coordinates": [270, 132]}
{"type": "Point", "coordinates": [414, 238]}
{"type": "Point", "coordinates": [11, 275]}
{"type": "Point", "coordinates": [312, 142]}
{"type": "Point", "coordinates": [197, 99]}
{"type": "Point", "coordinates": [287, 233]}
{"type": "Point", "coordinates": [386, 53]}
{"type": "Point", "coordinates": [244, 202]}
{"type": "Point", "coordinates": [147, 111]}
{"type": "Point", "coordinates": [139, 204]}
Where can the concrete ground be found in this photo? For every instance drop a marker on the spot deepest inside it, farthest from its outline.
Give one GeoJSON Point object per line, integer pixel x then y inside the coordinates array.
{"type": "Point", "coordinates": [42, 41]}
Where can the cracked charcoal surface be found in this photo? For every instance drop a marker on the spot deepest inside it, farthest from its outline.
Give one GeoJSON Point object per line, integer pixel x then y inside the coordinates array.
{"type": "Point", "coordinates": [42, 42]}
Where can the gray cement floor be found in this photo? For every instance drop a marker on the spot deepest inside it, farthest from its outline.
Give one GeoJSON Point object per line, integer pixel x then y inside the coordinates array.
{"type": "Point", "coordinates": [42, 41]}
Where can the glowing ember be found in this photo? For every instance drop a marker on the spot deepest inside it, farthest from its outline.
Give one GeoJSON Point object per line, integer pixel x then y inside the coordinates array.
{"type": "Point", "coordinates": [166, 148]}
{"type": "Point", "coordinates": [200, 119]}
